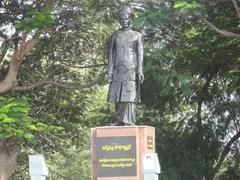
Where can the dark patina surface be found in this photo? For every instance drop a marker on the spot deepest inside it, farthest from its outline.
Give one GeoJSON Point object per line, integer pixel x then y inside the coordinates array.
{"type": "Point", "coordinates": [125, 69]}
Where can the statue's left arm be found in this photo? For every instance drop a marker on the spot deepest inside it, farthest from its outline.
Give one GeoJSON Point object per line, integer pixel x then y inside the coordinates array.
{"type": "Point", "coordinates": [140, 58]}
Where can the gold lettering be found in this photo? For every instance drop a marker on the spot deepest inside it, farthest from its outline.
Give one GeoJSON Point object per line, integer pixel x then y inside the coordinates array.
{"type": "Point", "coordinates": [126, 147]}
{"type": "Point", "coordinates": [116, 162]}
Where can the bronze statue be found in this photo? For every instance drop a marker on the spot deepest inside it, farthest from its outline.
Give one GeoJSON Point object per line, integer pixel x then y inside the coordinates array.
{"type": "Point", "coordinates": [125, 68]}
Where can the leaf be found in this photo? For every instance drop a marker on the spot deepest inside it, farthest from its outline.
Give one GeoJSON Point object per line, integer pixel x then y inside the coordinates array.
{"type": "Point", "coordinates": [28, 137]}
{"type": "Point", "coordinates": [166, 90]}
{"type": "Point", "coordinates": [15, 121]}
{"type": "Point", "coordinates": [18, 27]}
{"type": "Point", "coordinates": [20, 109]}
{"type": "Point", "coordinates": [32, 127]}
{"type": "Point", "coordinates": [165, 80]}
{"type": "Point", "coordinates": [186, 7]}
{"type": "Point", "coordinates": [185, 10]}
{"type": "Point", "coordinates": [19, 133]}
{"type": "Point", "coordinates": [49, 21]}
{"type": "Point", "coordinates": [9, 120]}
{"type": "Point", "coordinates": [185, 77]}
{"type": "Point", "coordinates": [153, 15]}
{"type": "Point", "coordinates": [27, 29]}
{"type": "Point", "coordinates": [180, 4]}
{"type": "Point", "coordinates": [40, 17]}
{"type": "Point", "coordinates": [139, 22]}
{"type": "Point", "coordinates": [6, 108]}
{"type": "Point", "coordinates": [35, 20]}
{"type": "Point", "coordinates": [18, 102]}
{"type": "Point", "coordinates": [3, 116]}
{"type": "Point", "coordinates": [234, 72]}
{"type": "Point", "coordinates": [57, 128]}
{"type": "Point", "coordinates": [41, 124]}
{"type": "Point", "coordinates": [186, 90]}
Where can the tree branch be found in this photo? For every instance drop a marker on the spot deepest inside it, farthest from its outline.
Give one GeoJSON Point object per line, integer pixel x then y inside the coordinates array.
{"type": "Point", "coordinates": [10, 80]}
{"type": "Point", "coordinates": [236, 8]}
{"type": "Point", "coordinates": [61, 85]}
{"type": "Point", "coordinates": [225, 152]}
{"type": "Point", "coordinates": [82, 67]}
{"type": "Point", "coordinates": [219, 31]}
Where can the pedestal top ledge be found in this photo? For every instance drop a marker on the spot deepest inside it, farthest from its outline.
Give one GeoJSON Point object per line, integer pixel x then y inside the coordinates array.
{"type": "Point", "coordinates": [117, 127]}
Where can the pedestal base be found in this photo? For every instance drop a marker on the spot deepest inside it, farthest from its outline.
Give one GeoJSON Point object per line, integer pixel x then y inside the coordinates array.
{"type": "Point", "coordinates": [117, 151]}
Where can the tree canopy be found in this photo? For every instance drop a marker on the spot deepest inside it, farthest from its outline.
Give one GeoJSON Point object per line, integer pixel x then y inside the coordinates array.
{"type": "Point", "coordinates": [52, 68]}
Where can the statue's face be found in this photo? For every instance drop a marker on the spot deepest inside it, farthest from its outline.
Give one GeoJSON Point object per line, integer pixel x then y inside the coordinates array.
{"type": "Point", "coordinates": [125, 20]}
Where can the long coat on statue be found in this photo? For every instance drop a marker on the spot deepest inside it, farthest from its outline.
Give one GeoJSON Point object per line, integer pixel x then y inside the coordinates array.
{"type": "Point", "coordinates": [125, 59]}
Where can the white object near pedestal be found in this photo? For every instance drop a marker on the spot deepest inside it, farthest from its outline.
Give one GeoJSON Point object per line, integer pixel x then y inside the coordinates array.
{"type": "Point", "coordinates": [37, 167]}
{"type": "Point", "coordinates": [38, 177]}
{"type": "Point", "coordinates": [151, 166]}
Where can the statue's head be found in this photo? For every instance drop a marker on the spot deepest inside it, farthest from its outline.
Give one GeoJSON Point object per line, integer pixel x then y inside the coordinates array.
{"type": "Point", "coordinates": [125, 16]}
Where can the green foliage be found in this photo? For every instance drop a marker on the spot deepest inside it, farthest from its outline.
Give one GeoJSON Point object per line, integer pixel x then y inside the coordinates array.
{"type": "Point", "coordinates": [232, 173]}
{"type": "Point", "coordinates": [173, 81]}
{"type": "Point", "coordinates": [231, 169]}
{"type": "Point", "coordinates": [16, 122]}
{"type": "Point", "coordinates": [190, 94]}
{"type": "Point", "coordinates": [100, 112]}
{"type": "Point", "coordinates": [14, 119]}
{"type": "Point", "coordinates": [187, 84]}
{"type": "Point", "coordinates": [35, 20]}
{"type": "Point", "coordinates": [72, 165]}
{"type": "Point", "coordinates": [161, 15]}
{"type": "Point", "coordinates": [186, 7]}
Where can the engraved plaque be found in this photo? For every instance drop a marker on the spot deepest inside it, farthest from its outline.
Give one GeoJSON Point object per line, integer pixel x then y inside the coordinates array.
{"type": "Point", "coordinates": [116, 156]}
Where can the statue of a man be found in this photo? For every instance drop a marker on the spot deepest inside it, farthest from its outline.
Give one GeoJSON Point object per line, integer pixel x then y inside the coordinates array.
{"type": "Point", "coordinates": [125, 68]}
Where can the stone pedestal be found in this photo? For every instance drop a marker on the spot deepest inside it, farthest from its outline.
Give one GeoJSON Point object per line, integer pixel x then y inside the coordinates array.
{"type": "Point", "coordinates": [117, 151]}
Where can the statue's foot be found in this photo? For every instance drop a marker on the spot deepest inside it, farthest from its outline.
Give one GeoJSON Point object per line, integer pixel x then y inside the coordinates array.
{"type": "Point", "coordinates": [117, 123]}
{"type": "Point", "coordinates": [129, 124]}
{"type": "Point", "coordinates": [114, 124]}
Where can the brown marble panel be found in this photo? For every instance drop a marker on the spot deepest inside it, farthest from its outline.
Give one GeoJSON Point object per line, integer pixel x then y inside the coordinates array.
{"type": "Point", "coordinates": [144, 144]}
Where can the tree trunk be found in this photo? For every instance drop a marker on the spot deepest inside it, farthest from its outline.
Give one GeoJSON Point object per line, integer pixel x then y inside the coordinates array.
{"type": "Point", "coordinates": [25, 47]}
{"type": "Point", "coordinates": [8, 147]}
{"type": "Point", "coordinates": [8, 157]}
{"type": "Point", "coordinates": [11, 78]}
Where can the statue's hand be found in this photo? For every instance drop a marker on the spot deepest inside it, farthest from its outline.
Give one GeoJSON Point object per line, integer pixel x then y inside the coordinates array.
{"type": "Point", "coordinates": [109, 78]}
{"type": "Point", "coordinates": [141, 77]}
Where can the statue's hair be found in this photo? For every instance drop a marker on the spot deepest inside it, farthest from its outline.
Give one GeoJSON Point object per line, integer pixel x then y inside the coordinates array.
{"type": "Point", "coordinates": [125, 10]}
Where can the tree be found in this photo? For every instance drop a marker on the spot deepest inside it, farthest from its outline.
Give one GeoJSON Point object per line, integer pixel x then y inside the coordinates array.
{"type": "Point", "coordinates": [190, 95]}
{"type": "Point", "coordinates": [15, 123]}
{"type": "Point", "coordinates": [192, 72]}
{"type": "Point", "coordinates": [66, 49]}
{"type": "Point", "coordinates": [36, 20]}
{"type": "Point", "coordinates": [26, 46]}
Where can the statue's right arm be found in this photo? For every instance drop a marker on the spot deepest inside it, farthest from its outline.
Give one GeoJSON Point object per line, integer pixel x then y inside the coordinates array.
{"type": "Point", "coordinates": [111, 56]}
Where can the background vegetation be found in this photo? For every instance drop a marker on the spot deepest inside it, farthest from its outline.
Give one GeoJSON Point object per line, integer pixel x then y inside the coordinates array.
{"type": "Point", "coordinates": [53, 53]}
